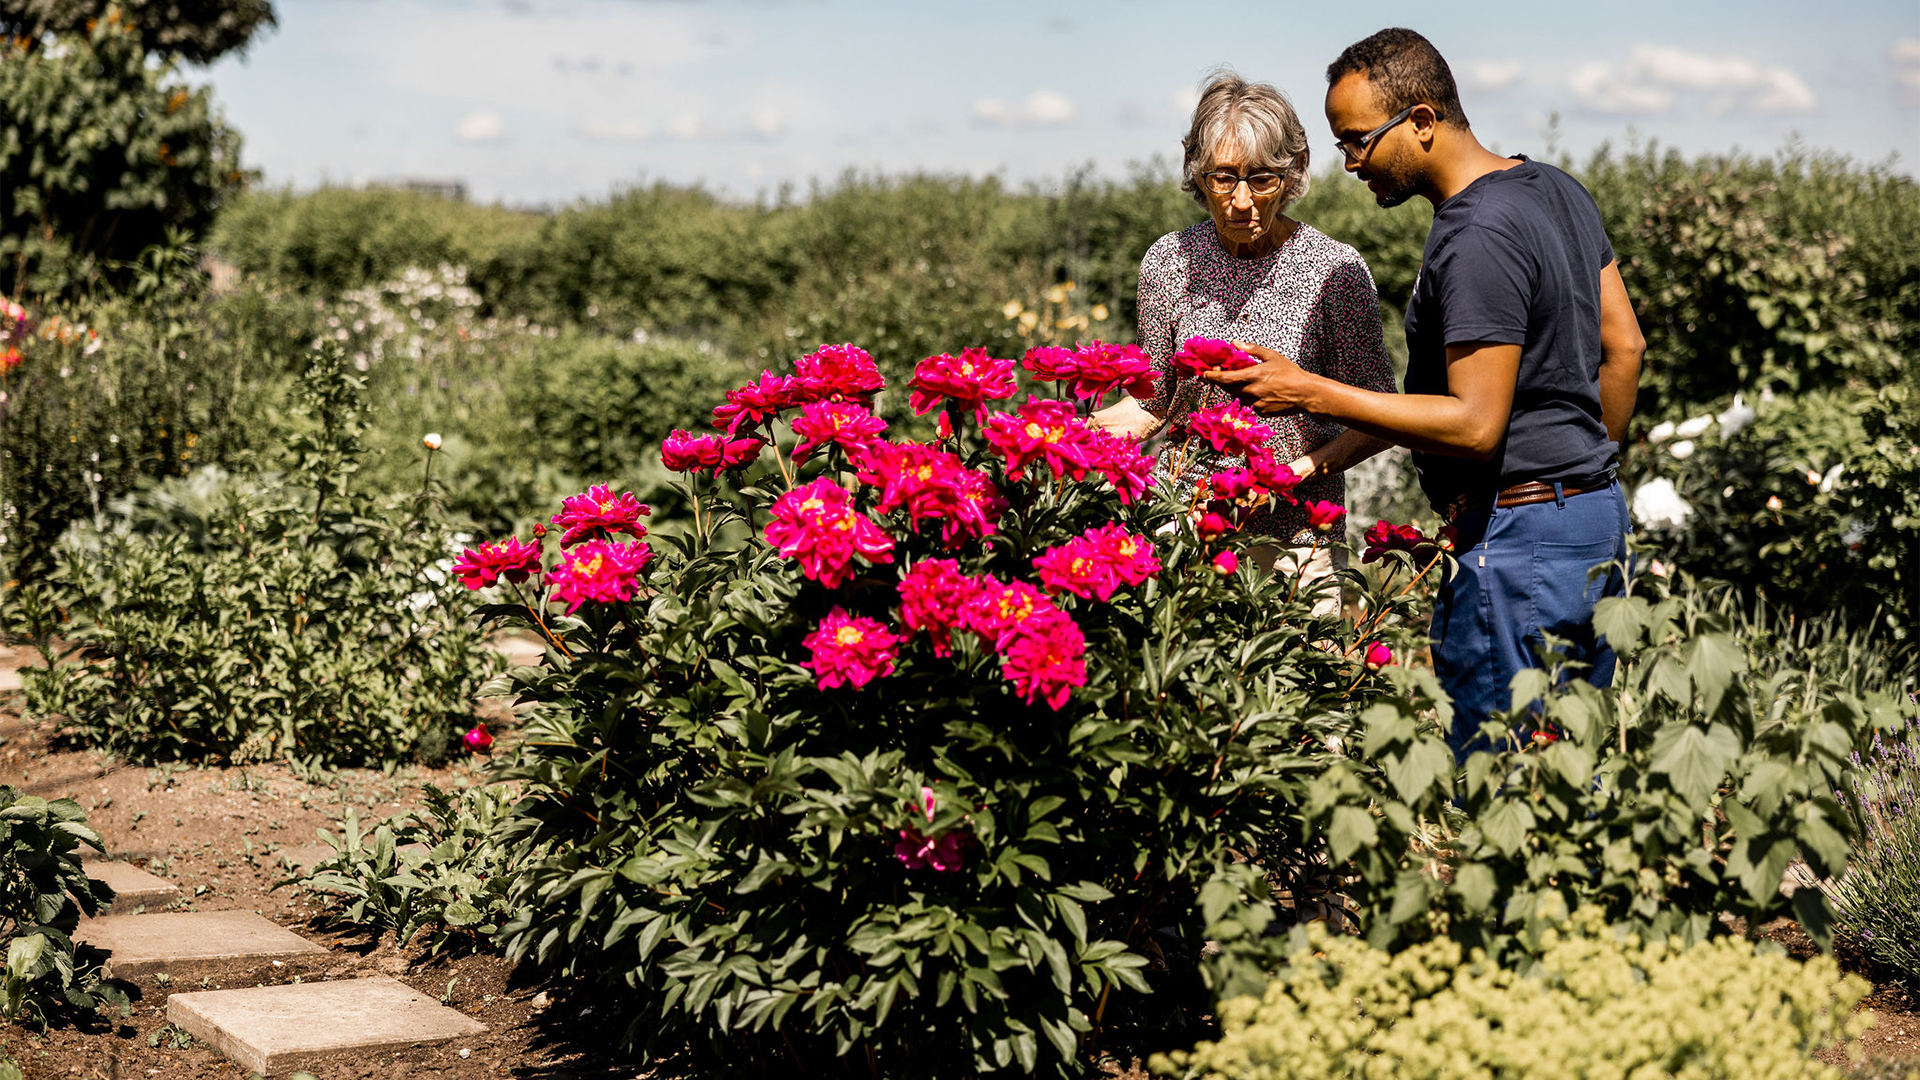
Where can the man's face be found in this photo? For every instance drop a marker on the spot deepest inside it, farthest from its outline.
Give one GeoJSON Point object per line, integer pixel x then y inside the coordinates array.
{"type": "Point", "coordinates": [1387, 163]}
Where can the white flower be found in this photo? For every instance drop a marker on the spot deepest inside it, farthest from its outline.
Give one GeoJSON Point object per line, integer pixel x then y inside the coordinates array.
{"type": "Point", "coordinates": [1736, 418]}
{"type": "Point", "coordinates": [1854, 536]}
{"type": "Point", "coordinates": [1657, 505]}
{"type": "Point", "coordinates": [1681, 450]}
{"type": "Point", "coordinates": [1693, 428]}
{"type": "Point", "coordinates": [431, 440]}
{"type": "Point", "coordinates": [1832, 478]}
{"type": "Point", "coordinates": [1661, 432]}
{"type": "Point", "coordinates": [1774, 503]}
{"type": "Point", "coordinates": [1813, 478]}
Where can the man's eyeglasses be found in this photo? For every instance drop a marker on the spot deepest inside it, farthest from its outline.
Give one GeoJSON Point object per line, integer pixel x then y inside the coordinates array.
{"type": "Point", "coordinates": [1359, 147]}
{"type": "Point", "coordinates": [1223, 182]}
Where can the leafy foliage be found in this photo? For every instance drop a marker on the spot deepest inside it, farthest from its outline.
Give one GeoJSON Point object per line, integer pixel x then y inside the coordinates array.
{"type": "Point", "coordinates": [1595, 1003]}
{"type": "Point", "coordinates": [44, 890]}
{"type": "Point", "coordinates": [1680, 794]}
{"type": "Point", "coordinates": [101, 154]}
{"type": "Point", "coordinates": [311, 621]}
{"type": "Point", "coordinates": [442, 869]}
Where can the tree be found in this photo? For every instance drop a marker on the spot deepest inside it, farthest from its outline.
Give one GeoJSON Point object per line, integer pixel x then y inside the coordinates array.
{"type": "Point", "coordinates": [101, 154]}
{"type": "Point", "coordinates": [195, 31]}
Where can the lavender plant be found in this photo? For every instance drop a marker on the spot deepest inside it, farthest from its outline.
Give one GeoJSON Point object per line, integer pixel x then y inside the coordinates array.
{"type": "Point", "coordinates": [1876, 901]}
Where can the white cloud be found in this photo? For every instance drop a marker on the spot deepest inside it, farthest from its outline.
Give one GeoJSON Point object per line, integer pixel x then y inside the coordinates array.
{"type": "Point", "coordinates": [481, 125]}
{"type": "Point", "coordinates": [1492, 74]}
{"type": "Point", "coordinates": [1042, 108]}
{"type": "Point", "coordinates": [1653, 74]}
{"type": "Point", "coordinates": [766, 122]}
{"type": "Point", "coordinates": [1177, 109]}
{"type": "Point", "coordinates": [1904, 56]}
{"type": "Point", "coordinates": [686, 126]}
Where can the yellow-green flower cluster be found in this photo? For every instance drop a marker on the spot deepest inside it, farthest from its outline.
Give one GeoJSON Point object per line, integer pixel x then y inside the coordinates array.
{"type": "Point", "coordinates": [1594, 1006]}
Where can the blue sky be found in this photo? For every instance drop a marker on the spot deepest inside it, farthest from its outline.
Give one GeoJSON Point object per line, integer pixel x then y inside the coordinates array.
{"type": "Point", "coordinates": [547, 101]}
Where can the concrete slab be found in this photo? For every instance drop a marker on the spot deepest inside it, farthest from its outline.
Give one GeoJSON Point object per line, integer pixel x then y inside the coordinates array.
{"type": "Point", "coordinates": [519, 651]}
{"type": "Point", "coordinates": [273, 1030]}
{"type": "Point", "coordinates": [191, 943]}
{"type": "Point", "coordinates": [132, 886]}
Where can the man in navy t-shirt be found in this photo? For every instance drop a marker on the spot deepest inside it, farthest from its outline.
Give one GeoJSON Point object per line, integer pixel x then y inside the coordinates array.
{"type": "Point", "coordinates": [1523, 359]}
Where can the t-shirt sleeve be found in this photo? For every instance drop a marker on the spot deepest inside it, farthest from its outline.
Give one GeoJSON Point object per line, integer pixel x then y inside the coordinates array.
{"type": "Point", "coordinates": [1484, 282]}
{"type": "Point", "coordinates": [1351, 304]}
{"type": "Point", "coordinates": [1157, 297]}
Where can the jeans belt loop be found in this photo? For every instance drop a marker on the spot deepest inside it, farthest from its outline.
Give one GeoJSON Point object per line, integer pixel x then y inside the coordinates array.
{"type": "Point", "coordinates": [1559, 495]}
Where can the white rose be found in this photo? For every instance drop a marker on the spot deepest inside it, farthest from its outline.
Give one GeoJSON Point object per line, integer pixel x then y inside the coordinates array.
{"type": "Point", "coordinates": [1657, 505]}
{"type": "Point", "coordinates": [431, 440]}
{"type": "Point", "coordinates": [1692, 429]}
{"type": "Point", "coordinates": [1681, 450]}
{"type": "Point", "coordinates": [1661, 432]}
{"type": "Point", "coordinates": [1736, 418]}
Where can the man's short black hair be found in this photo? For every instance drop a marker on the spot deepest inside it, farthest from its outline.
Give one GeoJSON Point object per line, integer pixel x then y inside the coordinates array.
{"type": "Point", "coordinates": [1406, 70]}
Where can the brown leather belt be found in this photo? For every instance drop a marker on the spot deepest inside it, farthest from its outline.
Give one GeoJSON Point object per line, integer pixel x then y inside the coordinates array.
{"type": "Point", "coordinates": [1533, 491]}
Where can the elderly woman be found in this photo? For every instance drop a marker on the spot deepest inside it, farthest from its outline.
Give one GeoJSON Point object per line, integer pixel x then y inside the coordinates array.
{"type": "Point", "coordinates": [1252, 274]}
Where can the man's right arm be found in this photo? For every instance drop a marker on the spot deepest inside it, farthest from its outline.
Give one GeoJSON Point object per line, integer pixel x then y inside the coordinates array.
{"type": "Point", "coordinates": [1621, 347]}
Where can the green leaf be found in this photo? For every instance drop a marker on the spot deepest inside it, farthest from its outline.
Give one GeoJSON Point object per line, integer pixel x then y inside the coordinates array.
{"type": "Point", "coordinates": [1712, 662]}
{"type": "Point", "coordinates": [1474, 882]}
{"type": "Point", "coordinates": [1506, 825]}
{"type": "Point", "coordinates": [1351, 829]}
{"type": "Point", "coordinates": [1694, 759]}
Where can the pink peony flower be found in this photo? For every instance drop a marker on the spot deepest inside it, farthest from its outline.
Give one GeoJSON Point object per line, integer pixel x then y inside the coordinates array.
{"type": "Point", "coordinates": [598, 570]}
{"type": "Point", "coordinates": [478, 739]}
{"type": "Point", "coordinates": [1050, 363]}
{"type": "Point", "coordinates": [1000, 608]}
{"type": "Point", "coordinates": [1121, 462]}
{"type": "Point", "coordinates": [512, 558]}
{"type": "Point", "coordinates": [1269, 473]}
{"type": "Point", "coordinates": [757, 402]}
{"type": "Point", "coordinates": [843, 373]}
{"type": "Point", "coordinates": [916, 851]}
{"type": "Point", "coordinates": [850, 650]}
{"type": "Point", "coordinates": [930, 483]}
{"type": "Point", "coordinates": [848, 425]}
{"type": "Point", "coordinates": [932, 597]}
{"type": "Point", "coordinates": [1046, 658]}
{"type": "Point", "coordinates": [1377, 655]}
{"type": "Point", "coordinates": [1226, 564]}
{"type": "Point", "coordinates": [1093, 565]}
{"type": "Point", "coordinates": [1046, 431]}
{"type": "Point", "coordinates": [738, 453]}
{"type": "Point", "coordinates": [817, 524]}
{"type": "Point", "coordinates": [1206, 354]}
{"type": "Point", "coordinates": [1107, 368]}
{"type": "Point", "coordinates": [1212, 527]}
{"type": "Point", "coordinates": [971, 379]}
{"type": "Point", "coordinates": [9, 360]}
{"type": "Point", "coordinates": [1232, 428]}
{"type": "Point", "coordinates": [1324, 515]}
{"type": "Point", "coordinates": [685, 452]}
{"type": "Point", "coordinates": [599, 511]}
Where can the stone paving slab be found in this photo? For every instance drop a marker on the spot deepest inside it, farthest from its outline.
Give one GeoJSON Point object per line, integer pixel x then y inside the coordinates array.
{"type": "Point", "coordinates": [191, 943]}
{"type": "Point", "coordinates": [132, 886]}
{"type": "Point", "coordinates": [274, 1030]}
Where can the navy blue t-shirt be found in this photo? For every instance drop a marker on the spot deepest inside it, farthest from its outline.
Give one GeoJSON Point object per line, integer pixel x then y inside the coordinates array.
{"type": "Point", "coordinates": [1515, 259]}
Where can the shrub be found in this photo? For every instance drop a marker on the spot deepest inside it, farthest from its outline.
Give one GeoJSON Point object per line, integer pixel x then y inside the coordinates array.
{"type": "Point", "coordinates": [310, 620]}
{"type": "Point", "coordinates": [945, 854]}
{"type": "Point", "coordinates": [1876, 898]}
{"type": "Point", "coordinates": [44, 890]}
{"type": "Point", "coordinates": [1597, 1003]}
{"type": "Point", "coordinates": [441, 869]}
{"type": "Point", "coordinates": [1678, 795]}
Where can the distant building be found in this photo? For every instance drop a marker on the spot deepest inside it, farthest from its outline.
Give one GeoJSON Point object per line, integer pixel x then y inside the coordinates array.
{"type": "Point", "coordinates": [454, 190]}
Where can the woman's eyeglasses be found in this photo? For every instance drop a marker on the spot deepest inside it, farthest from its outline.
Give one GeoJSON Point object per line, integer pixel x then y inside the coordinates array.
{"type": "Point", "coordinates": [1359, 147]}
{"type": "Point", "coordinates": [1223, 182]}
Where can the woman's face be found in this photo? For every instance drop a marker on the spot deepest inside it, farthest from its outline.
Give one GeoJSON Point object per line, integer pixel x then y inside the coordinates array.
{"type": "Point", "coordinates": [1242, 218]}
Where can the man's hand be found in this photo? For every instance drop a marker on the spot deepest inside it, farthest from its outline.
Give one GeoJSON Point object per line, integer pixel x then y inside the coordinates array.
{"type": "Point", "coordinates": [1274, 386]}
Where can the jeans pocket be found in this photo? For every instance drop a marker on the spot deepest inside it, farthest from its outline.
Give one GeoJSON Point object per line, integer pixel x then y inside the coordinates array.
{"type": "Point", "coordinates": [1564, 588]}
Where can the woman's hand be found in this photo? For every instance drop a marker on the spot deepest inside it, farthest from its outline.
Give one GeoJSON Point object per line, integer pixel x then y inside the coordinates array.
{"type": "Point", "coordinates": [1127, 419]}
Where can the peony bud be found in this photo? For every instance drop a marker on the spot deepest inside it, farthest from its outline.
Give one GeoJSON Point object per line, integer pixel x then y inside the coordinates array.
{"type": "Point", "coordinates": [478, 740]}
{"type": "Point", "coordinates": [943, 427]}
{"type": "Point", "coordinates": [539, 531]}
{"type": "Point", "coordinates": [1212, 527]}
{"type": "Point", "coordinates": [431, 440]}
{"type": "Point", "coordinates": [1378, 656]}
{"type": "Point", "coordinates": [1226, 564]}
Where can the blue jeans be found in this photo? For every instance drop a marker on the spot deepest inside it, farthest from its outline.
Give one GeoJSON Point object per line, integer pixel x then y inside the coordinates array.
{"type": "Point", "coordinates": [1523, 570]}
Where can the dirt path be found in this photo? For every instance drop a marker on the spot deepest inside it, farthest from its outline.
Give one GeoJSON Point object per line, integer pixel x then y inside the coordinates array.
{"type": "Point", "coordinates": [218, 834]}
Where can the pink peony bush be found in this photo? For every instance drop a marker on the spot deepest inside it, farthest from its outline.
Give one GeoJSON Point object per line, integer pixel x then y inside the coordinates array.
{"type": "Point", "coordinates": [935, 755]}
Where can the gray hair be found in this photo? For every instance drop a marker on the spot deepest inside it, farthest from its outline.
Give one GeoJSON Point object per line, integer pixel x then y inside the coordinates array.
{"type": "Point", "coordinates": [1261, 119]}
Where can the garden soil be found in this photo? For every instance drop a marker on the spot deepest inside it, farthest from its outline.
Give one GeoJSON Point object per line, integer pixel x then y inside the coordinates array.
{"type": "Point", "coordinates": [218, 834]}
